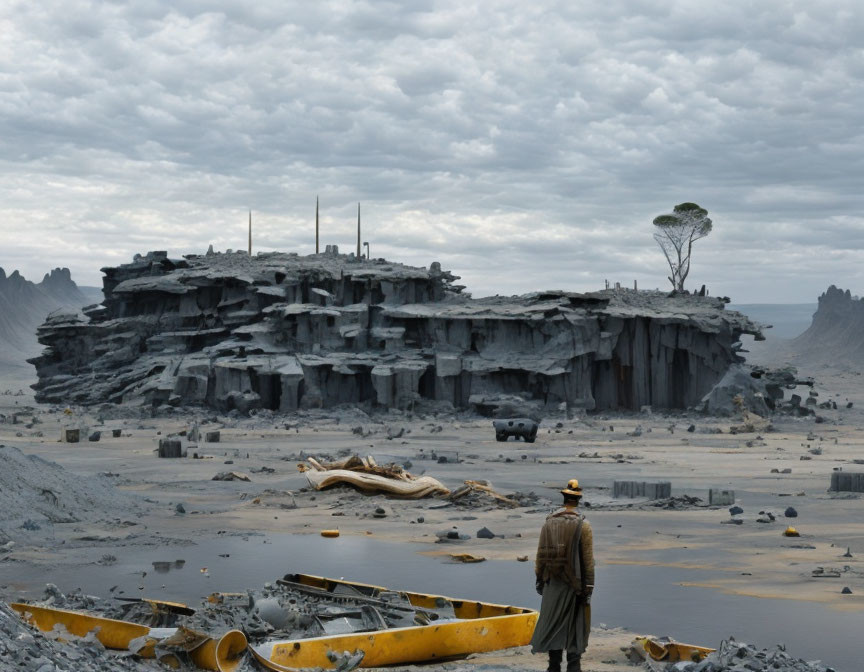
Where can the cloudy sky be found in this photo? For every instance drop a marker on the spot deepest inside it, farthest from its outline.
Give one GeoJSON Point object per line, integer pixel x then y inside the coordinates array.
{"type": "Point", "coordinates": [525, 145]}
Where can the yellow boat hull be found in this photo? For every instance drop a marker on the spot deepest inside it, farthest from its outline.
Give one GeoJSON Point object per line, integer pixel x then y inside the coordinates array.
{"type": "Point", "coordinates": [672, 651]}
{"type": "Point", "coordinates": [222, 655]}
{"type": "Point", "coordinates": [482, 627]}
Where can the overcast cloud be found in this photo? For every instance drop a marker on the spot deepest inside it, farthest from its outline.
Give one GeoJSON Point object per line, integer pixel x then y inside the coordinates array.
{"type": "Point", "coordinates": [525, 145]}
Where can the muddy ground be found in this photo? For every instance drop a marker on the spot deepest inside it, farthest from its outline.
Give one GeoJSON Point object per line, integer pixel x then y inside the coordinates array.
{"type": "Point", "coordinates": [687, 546]}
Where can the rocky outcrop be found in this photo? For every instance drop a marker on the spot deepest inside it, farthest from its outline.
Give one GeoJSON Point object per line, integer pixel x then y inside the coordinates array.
{"type": "Point", "coordinates": [282, 331]}
{"type": "Point", "coordinates": [761, 391]}
{"type": "Point", "coordinates": [835, 335]}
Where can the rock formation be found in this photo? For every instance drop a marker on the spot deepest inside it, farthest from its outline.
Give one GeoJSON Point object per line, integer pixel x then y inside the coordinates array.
{"type": "Point", "coordinates": [24, 306]}
{"type": "Point", "coordinates": [282, 332]}
{"type": "Point", "coordinates": [759, 390]}
{"type": "Point", "coordinates": [835, 335]}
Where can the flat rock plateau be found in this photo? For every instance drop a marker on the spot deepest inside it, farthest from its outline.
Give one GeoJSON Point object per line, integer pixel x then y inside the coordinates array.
{"type": "Point", "coordinates": [284, 332]}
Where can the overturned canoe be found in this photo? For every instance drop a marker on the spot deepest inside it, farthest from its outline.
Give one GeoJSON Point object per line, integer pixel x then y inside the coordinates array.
{"type": "Point", "coordinates": [478, 627]}
{"type": "Point", "coordinates": [222, 655]}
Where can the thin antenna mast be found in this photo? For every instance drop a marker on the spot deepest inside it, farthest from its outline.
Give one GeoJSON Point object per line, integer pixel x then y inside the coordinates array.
{"type": "Point", "coordinates": [358, 230]}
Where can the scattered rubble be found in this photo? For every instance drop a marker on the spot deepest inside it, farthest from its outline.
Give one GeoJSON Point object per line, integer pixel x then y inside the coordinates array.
{"type": "Point", "coordinates": [734, 656]}
{"type": "Point", "coordinates": [446, 536]}
{"type": "Point", "coordinates": [750, 423]}
{"type": "Point", "coordinates": [757, 390]}
{"type": "Point", "coordinates": [231, 476]}
{"type": "Point", "coordinates": [480, 494]}
{"type": "Point", "coordinates": [678, 502]}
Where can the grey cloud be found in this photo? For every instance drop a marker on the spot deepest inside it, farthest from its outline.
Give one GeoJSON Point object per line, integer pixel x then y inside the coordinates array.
{"type": "Point", "coordinates": [524, 145]}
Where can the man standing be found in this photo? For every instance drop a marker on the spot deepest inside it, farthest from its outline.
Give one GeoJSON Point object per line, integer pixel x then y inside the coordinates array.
{"type": "Point", "coordinates": [565, 578]}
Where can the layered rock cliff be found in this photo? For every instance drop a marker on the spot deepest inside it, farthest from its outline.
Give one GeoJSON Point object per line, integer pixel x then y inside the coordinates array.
{"type": "Point", "coordinates": [283, 331]}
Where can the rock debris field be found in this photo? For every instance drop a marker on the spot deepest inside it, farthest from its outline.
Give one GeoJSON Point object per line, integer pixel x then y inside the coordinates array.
{"type": "Point", "coordinates": [732, 656]}
{"type": "Point", "coordinates": [250, 372]}
{"type": "Point", "coordinates": [108, 508]}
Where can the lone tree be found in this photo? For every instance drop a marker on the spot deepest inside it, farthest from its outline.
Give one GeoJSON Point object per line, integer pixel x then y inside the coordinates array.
{"type": "Point", "coordinates": [676, 234]}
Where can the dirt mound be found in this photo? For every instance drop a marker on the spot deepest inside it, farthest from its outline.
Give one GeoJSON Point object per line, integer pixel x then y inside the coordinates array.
{"type": "Point", "coordinates": [35, 492]}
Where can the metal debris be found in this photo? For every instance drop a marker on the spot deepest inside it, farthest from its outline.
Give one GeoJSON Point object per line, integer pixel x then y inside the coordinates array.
{"type": "Point", "coordinates": [366, 475]}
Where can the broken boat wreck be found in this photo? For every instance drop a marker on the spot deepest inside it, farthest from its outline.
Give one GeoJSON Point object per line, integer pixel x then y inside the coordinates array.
{"type": "Point", "coordinates": [372, 625]}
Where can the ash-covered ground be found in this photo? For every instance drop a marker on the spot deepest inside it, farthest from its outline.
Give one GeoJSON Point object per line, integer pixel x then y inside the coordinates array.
{"type": "Point", "coordinates": [112, 521]}
{"type": "Point", "coordinates": [163, 528]}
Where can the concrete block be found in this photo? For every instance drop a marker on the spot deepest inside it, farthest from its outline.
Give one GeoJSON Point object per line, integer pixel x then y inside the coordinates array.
{"type": "Point", "coordinates": [718, 497]}
{"type": "Point", "coordinates": [116, 433]}
{"type": "Point", "coordinates": [844, 481]}
{"type": "Point", "coordinates": [71, 435]}
{"type": "Point", "coordinates": [212, 437]}
{"type": "Point", "coordinates": [640, 489]}
{"type": "Point", "coordinates": [170, 448]}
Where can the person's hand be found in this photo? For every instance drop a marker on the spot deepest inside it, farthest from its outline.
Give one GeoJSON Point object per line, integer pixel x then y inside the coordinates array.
{"type": "Point", "coordinates": [538, 585]}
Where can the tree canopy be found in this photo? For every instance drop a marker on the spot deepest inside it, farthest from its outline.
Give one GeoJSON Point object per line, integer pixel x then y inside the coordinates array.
{"type": "Point", "coordinates": [675, 234]}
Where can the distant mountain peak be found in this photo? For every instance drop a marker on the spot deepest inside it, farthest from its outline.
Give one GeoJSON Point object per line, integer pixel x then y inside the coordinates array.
{"type": "Point", "coordinates": [24, 306]}
{"type": "Point", "coordinates": [59, 283]}
{"type": "Point", "coordinates": [58, 275]}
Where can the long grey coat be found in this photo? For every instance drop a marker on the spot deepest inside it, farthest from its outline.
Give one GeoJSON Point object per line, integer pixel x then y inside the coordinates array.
{"type": "Point", "coordinates": [564, 621]}
{"type": "Point", "coordinates": [565, 618]}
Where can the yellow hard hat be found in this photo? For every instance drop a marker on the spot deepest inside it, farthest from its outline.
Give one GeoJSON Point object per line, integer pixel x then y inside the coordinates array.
{"type": "Point", "coordinates": [572, 488]}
